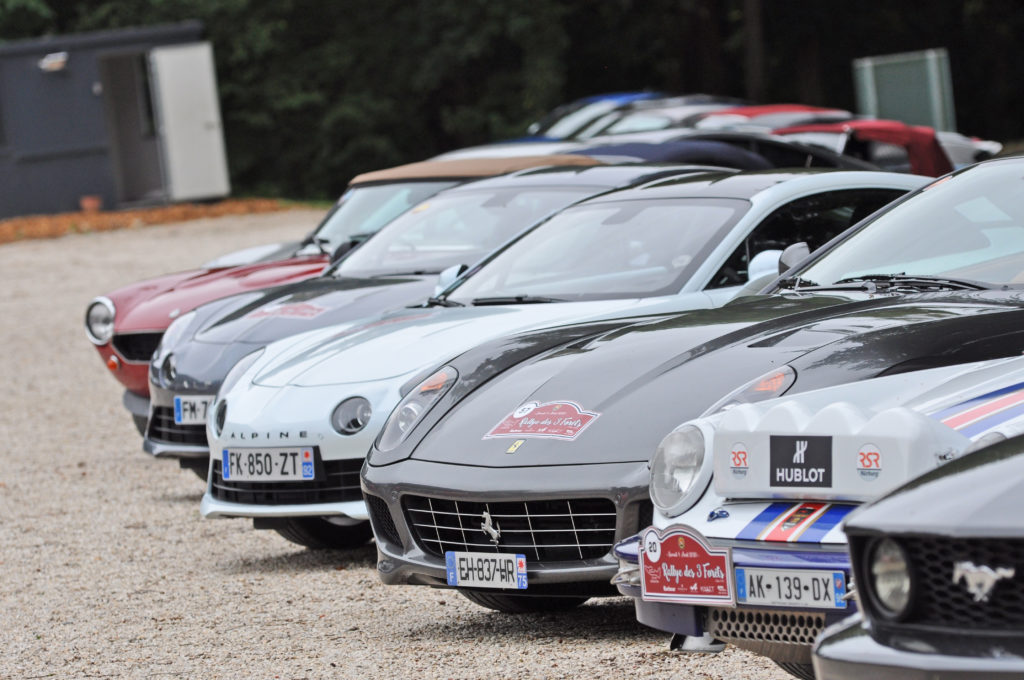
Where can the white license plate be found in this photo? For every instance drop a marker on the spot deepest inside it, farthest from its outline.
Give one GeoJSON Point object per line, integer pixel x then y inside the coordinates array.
{"type": "Point", "coordinates": [812, 588]}
{"type": "Point", "coordinates": [486, 570]}
{"type": "Point", "coordinates": [268, 465]}
{"type": "Point", "coordinates": [191, 410]}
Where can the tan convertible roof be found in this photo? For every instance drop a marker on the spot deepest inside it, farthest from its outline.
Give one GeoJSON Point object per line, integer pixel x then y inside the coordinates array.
{"type": "Point", "coordinates": [469, 168]}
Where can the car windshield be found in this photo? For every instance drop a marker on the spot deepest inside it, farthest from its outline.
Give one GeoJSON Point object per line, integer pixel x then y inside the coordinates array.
{"type": "Point", "coordinates": [362, 210]}
{"type": "Point", "coordinates": [624, 249]}
{"type": "Point", "coordinates": [969, 226]}
{"type": "Point", "coordinates": [456, 228]}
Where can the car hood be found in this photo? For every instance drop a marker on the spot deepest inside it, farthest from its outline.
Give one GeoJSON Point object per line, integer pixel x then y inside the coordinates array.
{"type": "Point", "coordinates": [152, 305]}
{"type": "Point", "coordinates": [410, 340]}
{"type": "Point", "coordinates": [636, 384]}
{"type": "Point", "coordinates": [268, 315]}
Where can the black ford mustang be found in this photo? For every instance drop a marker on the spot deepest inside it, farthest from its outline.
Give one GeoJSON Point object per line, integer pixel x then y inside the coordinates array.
{"type": "Point", "coordinates": [939, 567]}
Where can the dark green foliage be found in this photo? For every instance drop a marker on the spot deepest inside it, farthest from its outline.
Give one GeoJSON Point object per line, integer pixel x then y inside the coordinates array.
{"type": "Point", "coordinates": [315, 91]}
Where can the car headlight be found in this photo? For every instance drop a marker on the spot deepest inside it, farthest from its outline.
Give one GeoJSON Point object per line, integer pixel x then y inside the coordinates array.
{"type": "Point", "coordinates": [413, 407]}
{"type": "Point", "coordinates": [220, 416]}
{"type": "Point", "coordinates": [99, 320]}
{"type": "Point", "coordinates": [351, 415]}
{"type": "Point", "coordinates": [889, 571]}
{"type": "Point", "coordinates": [678, 473]}
{"type": "Point", "coordinates": [774, 383]}
{"type": "Point", "coordinates": [239, 369]}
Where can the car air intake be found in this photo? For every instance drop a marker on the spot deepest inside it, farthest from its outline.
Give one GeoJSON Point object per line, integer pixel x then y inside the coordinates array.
{"type": "Point", "coordinates": [138, 347]}
{"type": "Point", "coordinates": [162, 428]}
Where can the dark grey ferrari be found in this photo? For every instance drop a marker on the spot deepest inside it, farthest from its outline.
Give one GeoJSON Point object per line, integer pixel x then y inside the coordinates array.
{"type": "Point", "coordinates": [510, 472]}
{"type": "Point", "coordinates": [939, 567]}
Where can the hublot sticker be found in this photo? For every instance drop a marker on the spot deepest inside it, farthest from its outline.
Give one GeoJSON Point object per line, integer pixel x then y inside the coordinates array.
{"type": "Point", "coordinates": [800, 461]}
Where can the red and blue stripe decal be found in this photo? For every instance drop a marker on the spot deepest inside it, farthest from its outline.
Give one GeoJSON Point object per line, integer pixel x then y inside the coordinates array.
{"type": "Point", "coordinates": [795, 522]}
{"type": "Point", "coordinates": [984, 412]}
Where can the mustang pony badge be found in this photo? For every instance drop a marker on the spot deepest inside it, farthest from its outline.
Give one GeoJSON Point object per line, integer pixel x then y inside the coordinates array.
{"type": "Point", "coordinates": [550, 420]}
{"type": "Point", "coordinates": [980, 579]}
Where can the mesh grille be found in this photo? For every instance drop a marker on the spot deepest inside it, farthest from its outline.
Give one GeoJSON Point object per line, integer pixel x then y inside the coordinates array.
{"type": "Point", "coordinates": [767, 625]}
{"type": "Point", "coordinates": [555, 531]}
{"type": "Point", "coordinates": [938, 601]}
{"type": "Point", "coordinates": [136, 346]}
{"type": "Point", "coordinates": [380, 518]}
{"type": "Point", "coordinates": [162, 428]}
{"type": "Point", "coordinates": [337, 481]}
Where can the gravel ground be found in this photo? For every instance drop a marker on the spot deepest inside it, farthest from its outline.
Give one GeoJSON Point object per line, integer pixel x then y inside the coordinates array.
{"type": "Point", "coordinates": [107, 569]}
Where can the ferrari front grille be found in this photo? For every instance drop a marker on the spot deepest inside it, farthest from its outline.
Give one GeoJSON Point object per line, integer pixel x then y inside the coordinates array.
{"type": "Point", "coordinates": [138, 347]}
{"type": "Point", "coordinates": [162, 428]}
{"type": "Point", "coordinates": [337, 482]}
{"type": "Point", "coordinates": [546, 531]}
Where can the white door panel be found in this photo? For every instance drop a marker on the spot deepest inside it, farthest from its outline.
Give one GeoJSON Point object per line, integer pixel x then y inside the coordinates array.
{"type": "Point", "coordinates": [188, 120]}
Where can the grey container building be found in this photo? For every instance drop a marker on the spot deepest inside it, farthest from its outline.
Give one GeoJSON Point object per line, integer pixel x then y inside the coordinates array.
{"type": "Point", "coordinates": [129, 116]}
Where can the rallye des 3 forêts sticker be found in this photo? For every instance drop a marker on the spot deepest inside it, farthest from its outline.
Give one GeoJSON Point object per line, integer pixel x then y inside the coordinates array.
{"type": "Point", "coordinates": [550, 420]}
{"type": "Point", "coordinates": [679, 566]}
{"type": "Point", "coordinates": [294, 310]}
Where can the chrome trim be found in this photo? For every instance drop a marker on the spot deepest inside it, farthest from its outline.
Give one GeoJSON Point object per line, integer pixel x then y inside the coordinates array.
{"type": "Point", "coordinates": [109, 304]}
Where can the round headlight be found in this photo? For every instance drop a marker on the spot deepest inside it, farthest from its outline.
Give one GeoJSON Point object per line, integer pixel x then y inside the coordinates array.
{"type": "Point", "coordinates": [890, 577]}
{"type": "Point", "coordinates": [220, 416]}
{"type": "Point", "coordinates": [351, 415]}
{"type": "Point", "coordinates": [99, 321]}
{"type": "Point", "coordinates": [675, 470]}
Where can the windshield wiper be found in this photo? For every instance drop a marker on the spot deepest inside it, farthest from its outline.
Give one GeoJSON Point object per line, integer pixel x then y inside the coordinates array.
{"type": "Point", "coordinates": [918, 282]}
{"type": "Point", "coordinates": [795, 282]}
{"type": "Point", "coordinates": [442, 302]}
{"type": "Point", "coordinates": [513, 300]}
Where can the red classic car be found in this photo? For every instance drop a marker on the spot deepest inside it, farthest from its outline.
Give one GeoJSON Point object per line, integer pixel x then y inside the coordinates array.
{"type": "Point", "coordinates": [126, 325]}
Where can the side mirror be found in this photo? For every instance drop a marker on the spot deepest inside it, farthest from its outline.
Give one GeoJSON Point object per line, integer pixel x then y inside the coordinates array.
{"type": "Point", "coordinates": [792, 255]}
{"type": "Point", "coordinates": [763, 264]}
{"type": "Point", "coordinates": [448, 276]}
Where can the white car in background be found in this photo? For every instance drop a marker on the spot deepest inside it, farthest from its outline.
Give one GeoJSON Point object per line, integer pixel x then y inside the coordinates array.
{"type": "Point", "coordinates": [292, 423]}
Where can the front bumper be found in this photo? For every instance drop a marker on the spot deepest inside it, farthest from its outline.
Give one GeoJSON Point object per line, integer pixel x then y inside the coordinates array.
{"type": "Point", "coordinates": [166, 439]}
{"type": "Point", "coordinates": [847, 651]}
{"type": "Point", "coordinates": [408, 553]}
{"type": "Point", "coordinates": [783, 634]}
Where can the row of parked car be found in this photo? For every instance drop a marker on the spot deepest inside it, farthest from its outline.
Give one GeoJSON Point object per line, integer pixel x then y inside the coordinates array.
{"type": "Point", "coordinates": [758, 386]}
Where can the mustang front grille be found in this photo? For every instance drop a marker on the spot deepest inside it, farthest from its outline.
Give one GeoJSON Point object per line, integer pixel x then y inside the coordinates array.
{"type": "Point", "coordinates": [338, 483]}
{"type": "Point", "coordinates": [136, 346]}
{"type": "Point", "coordinates": [546, 531]}
{"type": "Point", "coordinates": [162, 428]}
{"type": "Point", "coordinates": [941, 601]}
